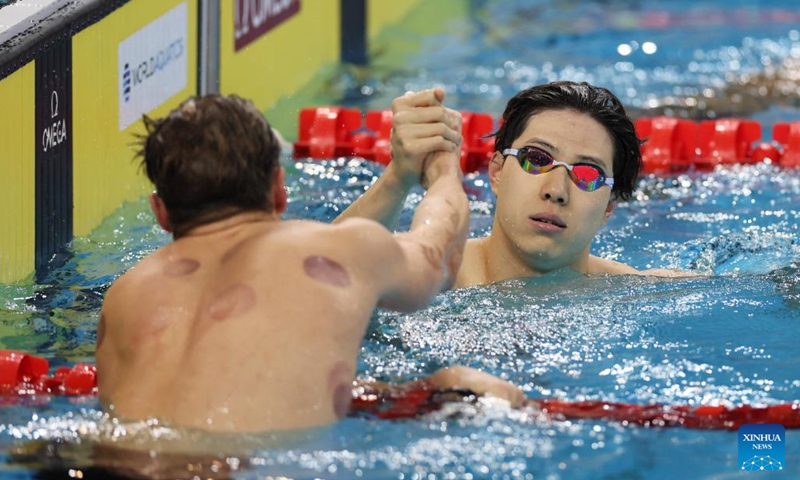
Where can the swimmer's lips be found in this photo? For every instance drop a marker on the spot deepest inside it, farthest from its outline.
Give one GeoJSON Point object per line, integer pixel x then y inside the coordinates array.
{"type": "Point", "coordinates": [548, 222]}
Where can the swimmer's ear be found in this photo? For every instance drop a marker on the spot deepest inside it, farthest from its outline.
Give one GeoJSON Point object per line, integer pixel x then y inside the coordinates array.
{"type": "Point", "coordinates": [609, 209]}
{"type": "Point", "coordinates": [495, 169]}
{"type": "Point", "coordinates": [278, 193]}
{"type": "Point", "coordinates": [160, 211]}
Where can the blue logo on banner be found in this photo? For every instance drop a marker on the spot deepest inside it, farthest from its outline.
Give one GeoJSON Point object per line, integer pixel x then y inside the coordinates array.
{"type": "Point", "coordinates": [762, 447]}
{"type": "Point", "coordinates": [126, 83]}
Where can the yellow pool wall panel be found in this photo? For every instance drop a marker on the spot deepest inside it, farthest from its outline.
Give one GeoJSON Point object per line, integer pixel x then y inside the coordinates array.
{"type": "Point", "coordinates": [106, 173]}
{"type": "Point", "coordinates": [298, 56]}
{"type": "Point", "coordinates": [381, 13]}
{"type": "Point", "coordinates": [18, 171]}
{"type": "Point", "coordinates": [283, 59]}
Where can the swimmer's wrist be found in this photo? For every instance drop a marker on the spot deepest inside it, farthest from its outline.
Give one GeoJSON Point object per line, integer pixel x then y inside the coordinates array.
{"type": "Point", "coordinates": [402, 180]}
{"type": "Point", "coordinates": [439, 168]}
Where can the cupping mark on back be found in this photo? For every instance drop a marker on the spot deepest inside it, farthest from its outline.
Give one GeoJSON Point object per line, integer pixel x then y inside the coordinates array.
{"type": "Point", "coordinates": [234, 301]}
{"type": "Point", "coordinates": [340, 383]}
{"type": "Point", "coordinates": [326, 271]}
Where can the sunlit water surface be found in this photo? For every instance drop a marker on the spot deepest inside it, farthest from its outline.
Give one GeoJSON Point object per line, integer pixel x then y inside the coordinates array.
{"type": "Point", "coordinates": [726, 337]}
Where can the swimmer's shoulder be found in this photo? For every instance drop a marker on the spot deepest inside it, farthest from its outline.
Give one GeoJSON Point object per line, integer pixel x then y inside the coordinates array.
{"type": "Point", "coordinates": [131, 286]}
{"type": "Point", "coordinates": [365, 248]}
{"type": "Point", "coordinates": [357, 230]}
{"type": "Point", "coordinates": [149, 273]}
{"type": "Point", "coordinates": [353, 240]}
{"type": "Point", "coordinates": [140, 273]}
{"type": "Point", "coordinates": [604, 266]}
{"type": "Point", "coordinates": [667, 272]}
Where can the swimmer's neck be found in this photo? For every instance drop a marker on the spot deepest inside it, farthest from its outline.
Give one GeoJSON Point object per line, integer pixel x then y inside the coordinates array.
{"type": "Point", "coordinates": [503, 260]}
{"type": "Point", "coordinates": [232, 223]}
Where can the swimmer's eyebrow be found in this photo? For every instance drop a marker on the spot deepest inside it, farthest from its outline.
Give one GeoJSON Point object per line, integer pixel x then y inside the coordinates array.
{"type": "Point", "coordinates": [554, 150]}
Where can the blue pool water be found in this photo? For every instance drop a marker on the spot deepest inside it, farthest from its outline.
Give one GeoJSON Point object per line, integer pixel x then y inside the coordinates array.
{"type": "Point", "coordinates": [727, 338]}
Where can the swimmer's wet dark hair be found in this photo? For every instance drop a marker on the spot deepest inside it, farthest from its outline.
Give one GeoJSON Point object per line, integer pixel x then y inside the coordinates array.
{"type": "Point", "coordinates": [597, 102]}
{"type": "Point", "coordinates": [211, 157]}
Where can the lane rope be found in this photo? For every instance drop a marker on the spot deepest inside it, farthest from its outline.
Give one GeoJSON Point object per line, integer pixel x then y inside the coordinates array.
{"type": "Point", "coordinates": [24, 375]}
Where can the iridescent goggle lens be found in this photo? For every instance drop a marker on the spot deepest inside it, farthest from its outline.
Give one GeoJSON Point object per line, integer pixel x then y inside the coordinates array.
{"type": "Point", "coordinates": [586, 176]}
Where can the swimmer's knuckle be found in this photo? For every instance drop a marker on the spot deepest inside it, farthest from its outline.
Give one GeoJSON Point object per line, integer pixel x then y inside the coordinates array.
{"type": "Point", "coordinates": [397, 104]}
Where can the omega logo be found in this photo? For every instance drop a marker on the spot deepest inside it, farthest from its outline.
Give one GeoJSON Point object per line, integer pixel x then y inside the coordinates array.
{"type": "Point", "coordinates": [56, 133]}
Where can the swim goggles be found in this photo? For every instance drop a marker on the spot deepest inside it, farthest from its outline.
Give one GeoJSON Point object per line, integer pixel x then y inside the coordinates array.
{"type": "Point", "coordinates": [535, 161]}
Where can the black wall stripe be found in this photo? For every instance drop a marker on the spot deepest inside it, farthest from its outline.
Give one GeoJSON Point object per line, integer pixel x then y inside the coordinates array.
{"type": "Point", "coordinates": [50, 46]}
{"type": "Point", "coordinates": [354, 32]}
{"type": "Point", "coordinates": [53, 150]}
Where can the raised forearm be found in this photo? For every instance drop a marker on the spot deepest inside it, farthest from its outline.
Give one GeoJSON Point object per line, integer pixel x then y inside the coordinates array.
{"type": "Point", "coordinates": [421, 126]}
{"type": "Point", "coordinates": [441, 220]}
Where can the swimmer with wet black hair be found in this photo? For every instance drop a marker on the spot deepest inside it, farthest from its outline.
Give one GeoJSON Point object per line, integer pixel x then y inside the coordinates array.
{"type": "Point", "coordinates": [249, 323]}
{"type": "Point", "coordinates": [565, 154]}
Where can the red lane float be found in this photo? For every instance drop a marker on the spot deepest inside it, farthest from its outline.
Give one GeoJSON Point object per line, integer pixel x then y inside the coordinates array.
{"type": "Point", "coordinates": [704, 417]}
{"type": "Point", "coordinates": [477, 147]}
{"type": "Point", "coordinates": [23, 375]}
{"type": "Point", "coordinates": [788, 134]}
{"type": "Point", "coordinates": [672, 144]}
{"type": "Point", "coordinates": [329, 132]}
{"type": "Point", "coordinates": [421, 401]}
{"type": "Point", "coordinates": [725, 141]}
{"type": "Point", "coordinates": [380, 149]}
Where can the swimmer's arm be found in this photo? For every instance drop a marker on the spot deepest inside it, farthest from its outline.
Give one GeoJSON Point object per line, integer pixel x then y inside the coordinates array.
{"type": "Point", "coordinates": [666, 272]}
{"type": "Point", "coordinates": [599, 265]}
{"type": "Point", "coordinates": [478, 382]}
{"type": "Point", "coordinates": [421, 126]}
{"type": "Point", "coordinates": [452, 378]}
{"type": "Point", "coordinates": [432, 250]}
{"type": "Point", "coordinates": [396, 270]}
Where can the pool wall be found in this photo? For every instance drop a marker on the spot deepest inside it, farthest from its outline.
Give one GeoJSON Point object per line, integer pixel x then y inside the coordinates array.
{"type": "Point", "coordinates": [74, 84]}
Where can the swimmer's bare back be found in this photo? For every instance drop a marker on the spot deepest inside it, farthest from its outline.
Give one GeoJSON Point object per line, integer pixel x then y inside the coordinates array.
{"type": "Point", "coordinates": [251, 327]}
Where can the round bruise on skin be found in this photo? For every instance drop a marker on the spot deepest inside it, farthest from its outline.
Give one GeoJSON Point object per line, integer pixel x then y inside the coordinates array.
{"type": "Point", "coordinates": [101, 330]}
{"type": "Point", "coordinates": [232, 302]}
{"type": "Point", "coordinates": [326, 271]}
{"type": "Point", "coordinates": [181, 267]}
{"type": "Point", "coordinates": [340, 382]}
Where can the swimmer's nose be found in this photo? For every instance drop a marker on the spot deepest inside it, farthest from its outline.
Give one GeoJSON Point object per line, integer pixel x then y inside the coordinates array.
{"type": "Point", "coordinates": [555, 186]}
